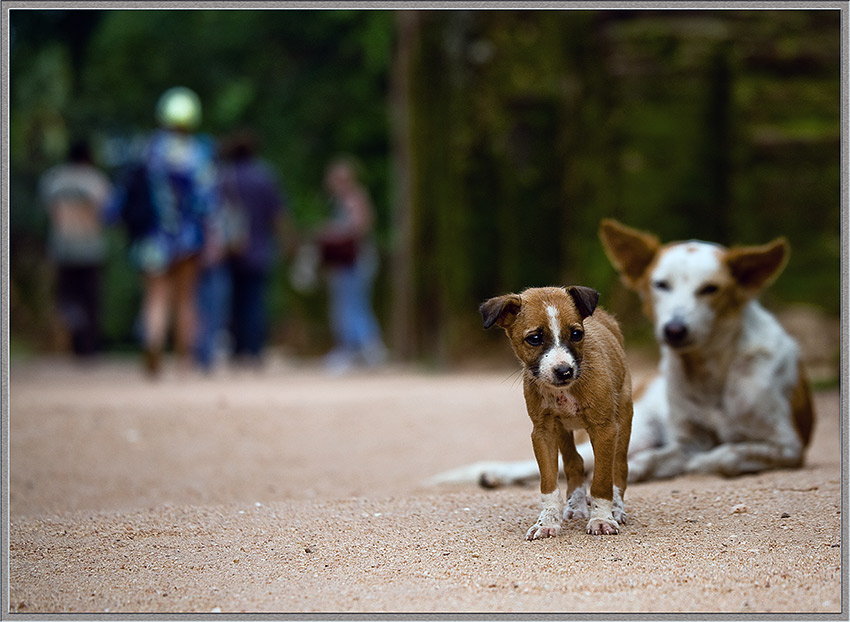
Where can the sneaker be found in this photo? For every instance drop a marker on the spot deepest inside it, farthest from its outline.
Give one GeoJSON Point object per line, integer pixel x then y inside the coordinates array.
{"type": "Point", "coordinates": [338, 362]}
{"type": "Point", "coordinates": [375, 354]}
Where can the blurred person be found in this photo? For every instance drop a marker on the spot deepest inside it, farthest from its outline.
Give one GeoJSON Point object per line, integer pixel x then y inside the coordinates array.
{"type": "Point", "coordinates": [179, 173]}
{"type": "Point", "coordinates": [253, 211]}
{"type": "Point", "coordinates": [350, 258]}
{"type": "Point", "coordinates": [213, 294]}
{"type": "Point", "coordinates": [75, 194]}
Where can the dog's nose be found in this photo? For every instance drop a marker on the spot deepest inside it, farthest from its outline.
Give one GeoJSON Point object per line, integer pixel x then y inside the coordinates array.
{"type": "Point", "coordinates": [675, 332]}
{"type": "Point", "coordinates": [563, 373]}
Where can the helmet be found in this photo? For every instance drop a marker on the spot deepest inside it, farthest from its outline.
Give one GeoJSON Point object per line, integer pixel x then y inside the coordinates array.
{"type": "Point", "coordinates": [179, 108]}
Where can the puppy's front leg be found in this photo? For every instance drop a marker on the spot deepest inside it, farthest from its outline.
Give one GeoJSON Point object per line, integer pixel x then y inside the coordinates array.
{"type": "Point", "coordinates": [545, 446]}
{"type": "Point", "coordinates": [604, 440]}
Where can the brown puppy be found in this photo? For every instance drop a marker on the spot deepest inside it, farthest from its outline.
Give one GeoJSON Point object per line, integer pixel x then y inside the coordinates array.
{"type": "Point", "coordinates": [574, 377]}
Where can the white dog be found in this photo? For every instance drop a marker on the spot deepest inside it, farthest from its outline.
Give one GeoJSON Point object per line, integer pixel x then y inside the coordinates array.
{"type": "Point", "coordinates": [731, 396]}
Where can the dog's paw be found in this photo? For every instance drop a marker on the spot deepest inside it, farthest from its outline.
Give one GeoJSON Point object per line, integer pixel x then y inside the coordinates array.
{"type": "Point", "coordinates": [577, 505]}
{"type": "Point", "coordinates": [538, 531]}
{"type": "Point", "coordinates": [490, 479]}
{"type": "Point", "coordinates": [620, 516]}
{"type": "Point", "coordinates": [722, 460]}
{"type": "Point", "coordinates": [640, 467]}
{"type": "Point", "coordinates": [618, 510]}
{"type": "Point", "coordinates": [603, 527]}
{"type": "Point", "coordinates": [548, 524]}
{"type": "Point", "coordinates": [602, 522]}
{"type": "Point", "coordinates": [662, 463]}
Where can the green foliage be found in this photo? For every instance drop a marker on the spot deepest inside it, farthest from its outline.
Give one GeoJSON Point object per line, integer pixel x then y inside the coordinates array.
{"type": "Point", "coordinates": [526, 128]}
{"type": "Point", "coordinates": [312, 83]}
{"type": "Point", "coordinates": [716, 125]}
{"type": "Point", "coordinates": [309, 82]}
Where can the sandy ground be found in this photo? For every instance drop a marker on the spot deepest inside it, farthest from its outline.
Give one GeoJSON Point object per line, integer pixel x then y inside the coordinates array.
{"type": "Point", "coordinates": [290, 492]}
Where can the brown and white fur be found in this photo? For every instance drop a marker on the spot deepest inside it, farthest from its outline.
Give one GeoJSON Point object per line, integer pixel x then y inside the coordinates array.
{"type": "Point", "coordinates": [731, 396]}
{"type": "Point", "coordinates": [575, 377]}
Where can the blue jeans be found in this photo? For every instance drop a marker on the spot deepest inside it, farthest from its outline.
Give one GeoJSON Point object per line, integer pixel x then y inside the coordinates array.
{"type": "Point", "coordinates": [249, 321]}
{"type": "Point", "coordinates": [213, 312]}
{"type": "Point", "coordinates": [353, 322]}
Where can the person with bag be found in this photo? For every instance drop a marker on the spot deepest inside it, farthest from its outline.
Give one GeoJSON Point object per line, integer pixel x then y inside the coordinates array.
{"type": "Point", "coordinates": [165, 205]}
{"type": "Point", "coordinates": [350, 259]}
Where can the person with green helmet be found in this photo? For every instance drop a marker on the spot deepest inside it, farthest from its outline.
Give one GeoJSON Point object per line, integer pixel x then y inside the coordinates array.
{"type": "Point", "coordinates": [182, 181]}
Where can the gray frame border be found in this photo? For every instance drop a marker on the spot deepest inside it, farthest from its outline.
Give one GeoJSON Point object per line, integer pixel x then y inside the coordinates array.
{"type": "Point", "coordinates": [843, 6]}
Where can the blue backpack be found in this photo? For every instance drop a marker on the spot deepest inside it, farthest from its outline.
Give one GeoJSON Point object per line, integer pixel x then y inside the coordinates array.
{"type": "Point", "coordinates": [137, 212]}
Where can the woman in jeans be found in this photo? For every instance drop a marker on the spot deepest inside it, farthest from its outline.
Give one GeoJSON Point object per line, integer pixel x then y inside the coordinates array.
{"type": "Point", "coordinates": [351, 260]}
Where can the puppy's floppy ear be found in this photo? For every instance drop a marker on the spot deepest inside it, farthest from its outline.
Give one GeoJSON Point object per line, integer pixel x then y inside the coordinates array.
{"type": "Point", "coordinates": [585, 299]}
{"type": "Point", "coordinates": [631, 251]}
{"type": "Point", "coordinates": [501, 310]}
{"type": "Point", "coordinates": [754, 267]}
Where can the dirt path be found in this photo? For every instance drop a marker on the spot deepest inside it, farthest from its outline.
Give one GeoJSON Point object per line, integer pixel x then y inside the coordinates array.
{"type": "Point", "coordinates": [287, 491]}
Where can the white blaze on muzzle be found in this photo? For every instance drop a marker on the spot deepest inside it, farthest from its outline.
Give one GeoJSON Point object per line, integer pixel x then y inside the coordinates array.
{"type": "Point", "coordinates": [682, 315]}
{"type": "Point", "coordinates": [557, 365]}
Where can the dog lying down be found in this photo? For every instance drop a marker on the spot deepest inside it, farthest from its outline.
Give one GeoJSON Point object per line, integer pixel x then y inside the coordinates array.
{"type": "Point", "coordinates": [731, 396]}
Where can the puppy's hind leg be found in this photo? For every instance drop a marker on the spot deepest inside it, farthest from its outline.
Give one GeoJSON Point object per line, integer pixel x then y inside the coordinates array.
{"type": "Point", "coordinates": [648, 427]}
{"type": "Point", "coordinates": [574, 470]}
{"type": "Point", "coordinates": [621, 467]}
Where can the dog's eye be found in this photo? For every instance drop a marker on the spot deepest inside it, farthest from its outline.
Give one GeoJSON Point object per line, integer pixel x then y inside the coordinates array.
{"type": "Point", "coordinates": [576, 334]}
{"type": "Point", "coordinates": [664, 286]}
{"type": "Point", "coordinates": [534, 339]}
{"type": "Point", "coordinates": [707, 290]}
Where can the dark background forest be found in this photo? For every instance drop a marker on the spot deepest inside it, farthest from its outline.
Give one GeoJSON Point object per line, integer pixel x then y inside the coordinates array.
{"type": "Point", "coordinates": [493, 142]}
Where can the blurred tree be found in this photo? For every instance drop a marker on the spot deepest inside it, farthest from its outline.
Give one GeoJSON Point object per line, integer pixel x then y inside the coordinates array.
{"type": "Point", "coordinates": [529, 127]}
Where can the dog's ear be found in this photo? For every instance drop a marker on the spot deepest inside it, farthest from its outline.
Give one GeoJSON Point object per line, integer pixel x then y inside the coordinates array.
{"type": "Point", "coordinates": [631, 251]}
{"type": "Point", "coordinates": [501, 310]}
{"type": "Point", "coordinates": [585, 299]}
{"type": "Point", "coordinates": [755, 267]}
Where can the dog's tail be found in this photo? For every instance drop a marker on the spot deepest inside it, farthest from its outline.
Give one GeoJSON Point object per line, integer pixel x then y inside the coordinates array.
{"type": "Point", "coordinates": [801, 404]}
{"type": "Point", "coordinates": [489, 474]}
{"type": "Point", "coordinates": [495, 474]}
{"type": "Point", "coordinates": [648, 430]}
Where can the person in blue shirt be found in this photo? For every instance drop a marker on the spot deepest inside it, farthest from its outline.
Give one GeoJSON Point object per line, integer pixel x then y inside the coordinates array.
{"type": "Point", "coordinates": [247, 181]}
{"type": "Point", "coordinates": [181, 175]}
